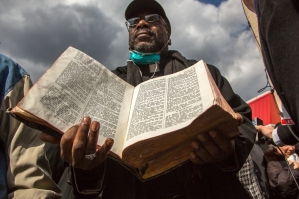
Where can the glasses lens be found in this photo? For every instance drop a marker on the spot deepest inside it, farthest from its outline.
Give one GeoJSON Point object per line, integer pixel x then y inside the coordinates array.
{"type": "Point", "coordinates": [151, 18]}
{"type": "Point", "coordinates": [133, 21]}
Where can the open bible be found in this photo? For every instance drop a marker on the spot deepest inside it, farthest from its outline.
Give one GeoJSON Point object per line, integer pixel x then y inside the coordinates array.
{"type": "Point", "coordinates": [152, 124]}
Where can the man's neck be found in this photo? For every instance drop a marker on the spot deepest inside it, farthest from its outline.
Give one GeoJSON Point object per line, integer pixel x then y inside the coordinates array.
{"type": "Point", "coordinates": [164, 53]}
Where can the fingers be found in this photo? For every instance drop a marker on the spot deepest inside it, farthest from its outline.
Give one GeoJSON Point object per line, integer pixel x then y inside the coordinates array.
{"type": "Point", "coordinates": [81, 140]}
{"type": "Point", "coordinates": [66, 144]}
{"type": "Point", "coordinates": [103, 151]}
{"type": "Point", "coordinates": [239, 118]}
{"type": "Point", "coordinates": [266, 131]}
{"type": "Point", "coordinates": [92, 141]}
{"type": "Point", "coordinates": [259, 127]}
{"type": "Point", "coordinates": [202, 147]}
{"type": "Point", "coordinates": [211, 147]}
{"type": "Point", "coordinates": [224, 143]}
{"type": "Point", "coordinates": [263, 128]}
{"type": "Point", "coordinates": [48, 138]}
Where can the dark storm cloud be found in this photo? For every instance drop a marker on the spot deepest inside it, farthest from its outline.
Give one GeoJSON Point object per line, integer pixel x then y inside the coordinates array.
{"type": "Point", "coordinates": [36, 32]}
{"type": "Point", "coordinates": [43, 33]}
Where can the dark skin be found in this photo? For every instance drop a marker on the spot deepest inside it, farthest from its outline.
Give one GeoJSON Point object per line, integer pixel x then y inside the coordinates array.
{"type": "Point", "coordinates": [148, 37]}
{"type": "Point", "coordinates": [81, 139]}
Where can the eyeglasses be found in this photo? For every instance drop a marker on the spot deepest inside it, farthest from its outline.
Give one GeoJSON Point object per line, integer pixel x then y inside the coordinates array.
{"type": "Point", "coordinates": [150, 18]}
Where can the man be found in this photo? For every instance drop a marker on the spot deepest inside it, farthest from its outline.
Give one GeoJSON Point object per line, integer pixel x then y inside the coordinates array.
{"type": "Point", "coordinates": [24, 169]}
{"type": "Point", "coordinates": [215, 160]}
{"type": "Point", "coordinates": [278, 32]}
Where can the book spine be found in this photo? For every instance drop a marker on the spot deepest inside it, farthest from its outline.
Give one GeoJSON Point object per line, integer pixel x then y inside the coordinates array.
{"type": "Point", "coordinates": [36, 126]}
{"type": "Point", "coordinates": [218, 98]}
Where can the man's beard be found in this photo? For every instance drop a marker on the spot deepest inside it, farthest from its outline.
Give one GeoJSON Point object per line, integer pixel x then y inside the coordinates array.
{"type": "Point", "coordinates": [146, 47]}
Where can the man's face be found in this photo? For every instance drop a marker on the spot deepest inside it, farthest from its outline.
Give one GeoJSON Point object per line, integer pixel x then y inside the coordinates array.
{"type": "Point", "coordinates": [148, 37]}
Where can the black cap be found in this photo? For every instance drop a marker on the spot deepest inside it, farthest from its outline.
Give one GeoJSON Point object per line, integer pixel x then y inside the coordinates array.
{"type": "Point", "coordinates": [138, 6]}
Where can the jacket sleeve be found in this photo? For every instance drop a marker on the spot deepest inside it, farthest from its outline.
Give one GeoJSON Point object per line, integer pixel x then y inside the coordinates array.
{"type": "Point", "coordinates": [281, 180]}
{"type": "Point", "coordinates": [28, 174]}
{"type": "Point", "coordinates": [245, 141]}
{"type": "Point", "coordinates": [233, 163]}
{"type": "Point", "coordinates": [88, 184]}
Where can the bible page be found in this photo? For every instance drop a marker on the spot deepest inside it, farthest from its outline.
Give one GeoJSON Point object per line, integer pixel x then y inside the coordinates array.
{"type": "Point", "coordinates": [169, 103]}
{"type": "Point", "coordinates": [75, 86]}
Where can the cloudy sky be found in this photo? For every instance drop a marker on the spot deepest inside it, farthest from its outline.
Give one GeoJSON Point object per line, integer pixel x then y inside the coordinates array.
{"type": "Point", "coordinates": [35, 32]}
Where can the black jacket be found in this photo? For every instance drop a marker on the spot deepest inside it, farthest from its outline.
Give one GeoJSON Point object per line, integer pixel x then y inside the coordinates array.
{"type": "Point", "coordinates": [278, 29]}
{"type": "Point", "coordinates": [217, 180]}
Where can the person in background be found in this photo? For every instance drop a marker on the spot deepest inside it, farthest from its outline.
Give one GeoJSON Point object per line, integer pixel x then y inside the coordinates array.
{"type": "Point", "coordinates": [24, 169]}
{"type": "Point", "coordinates": [278, 32]}
{"type": "Point", "coordinates": [253, 174]}
{"type": "Point", "coordinates": [281, 180]}
{"type": "Point", "coordinates": [215, 160]}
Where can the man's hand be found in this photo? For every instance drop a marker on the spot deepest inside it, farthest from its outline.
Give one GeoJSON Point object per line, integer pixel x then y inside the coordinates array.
{"type": "Point", "coordinates": [211, 147]}
{"type": "Point", "coordinates": [81, 140]}
{"type": "Point", "coordinates": [296, 165]}
{"type": "Point", "coordinates": [265, 130]}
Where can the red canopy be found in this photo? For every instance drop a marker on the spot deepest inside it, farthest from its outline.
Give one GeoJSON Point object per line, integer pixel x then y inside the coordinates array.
{"type": "Point", "coordinates": [265, 108]}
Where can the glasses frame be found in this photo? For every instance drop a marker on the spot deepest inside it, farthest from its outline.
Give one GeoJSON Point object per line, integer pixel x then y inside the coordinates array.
{"type": "Point", "coordinates": [129, 26]}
